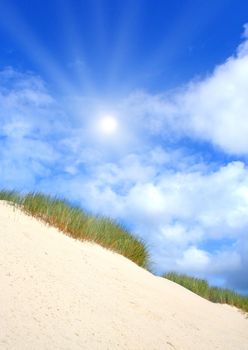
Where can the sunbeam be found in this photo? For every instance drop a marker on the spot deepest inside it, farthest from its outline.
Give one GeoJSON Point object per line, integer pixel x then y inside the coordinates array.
{"type": "Point", "coordinates": [31, 47]}
{"type": "Point", "coordinates": [77, 64]}
{"type": "Point", "coordinates": [124, 42]}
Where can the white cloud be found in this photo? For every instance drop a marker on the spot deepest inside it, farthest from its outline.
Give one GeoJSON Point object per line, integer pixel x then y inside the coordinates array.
{"type": "Point", "coordinates": [212, 109]}
{"type": "Point", "coordinates": [216, 109]}
{"type": "Point", "coordinates": [178, 213]}
{"type": "Point", "coordinates": [29, 124]}
{"type": "Point", "coordinates": [193, 259]}
{"type": "Point", "coordinates": [192, 214]}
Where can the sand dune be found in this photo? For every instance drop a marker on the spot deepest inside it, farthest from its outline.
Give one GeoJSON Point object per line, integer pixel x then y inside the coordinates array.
{"type": "Point", "coordinates": [58, 293]}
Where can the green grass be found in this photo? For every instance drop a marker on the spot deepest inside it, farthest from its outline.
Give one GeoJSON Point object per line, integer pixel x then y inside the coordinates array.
{"type": "Point", "coordinates": [214, 294]}
{"type": "Point", "coordinates": [73, 221]}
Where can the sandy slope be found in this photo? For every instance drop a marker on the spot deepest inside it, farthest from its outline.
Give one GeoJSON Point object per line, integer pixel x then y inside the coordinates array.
{"type": "Point", "coordinates": [58, 293]}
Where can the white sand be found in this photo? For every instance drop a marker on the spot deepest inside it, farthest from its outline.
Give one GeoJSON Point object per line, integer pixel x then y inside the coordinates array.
{"type": "Point", "coordinates": [58, 293]}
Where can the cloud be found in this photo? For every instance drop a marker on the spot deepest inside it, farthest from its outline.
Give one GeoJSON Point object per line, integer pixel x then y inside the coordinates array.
{"type": "Point", "coordinates": [193, 259]}
{"type": "Point", "coordinates": [181, 213]}
{"type": "Point", "coordinates": [216, 108]}
{"type": "Point", "coordinates": [190, 208]}
{"type": "Point", "coordinates": [213, 109]}
{"type": "Point", "coordinates": [193, 221]}
{"type": "Point", "coordinates": [29, 123]}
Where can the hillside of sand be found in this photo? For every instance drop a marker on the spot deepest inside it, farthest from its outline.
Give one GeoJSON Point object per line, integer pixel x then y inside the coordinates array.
{"type": "Point", "coordinates": [59, 293]}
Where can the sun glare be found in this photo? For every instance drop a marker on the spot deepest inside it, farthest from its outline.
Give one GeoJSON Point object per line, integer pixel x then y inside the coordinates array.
{"type": "Point", "coordinates": [108, 124]}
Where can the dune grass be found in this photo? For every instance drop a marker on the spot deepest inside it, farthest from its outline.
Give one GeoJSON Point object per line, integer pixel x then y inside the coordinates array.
{"type": "Point", "coordinates": [214, 294]}
{"type": "Point", "coordinates": [73, 221]}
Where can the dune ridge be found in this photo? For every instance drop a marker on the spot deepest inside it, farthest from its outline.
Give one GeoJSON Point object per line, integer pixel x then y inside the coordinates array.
{"type": "Point", "coordinates": [60, 293]}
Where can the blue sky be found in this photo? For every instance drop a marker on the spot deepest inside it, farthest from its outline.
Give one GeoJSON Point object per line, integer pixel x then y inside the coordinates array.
{"type": "Point", "coordinates": [136, 110]}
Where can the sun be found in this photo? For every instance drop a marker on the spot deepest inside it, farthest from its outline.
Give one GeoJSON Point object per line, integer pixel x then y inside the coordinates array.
{"type": "Point", "coordinates": [108, 125]}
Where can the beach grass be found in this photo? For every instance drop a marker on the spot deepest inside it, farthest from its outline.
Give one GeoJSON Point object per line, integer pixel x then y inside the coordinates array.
{"type": "Point", "coordinates": [75, 222]}
{"type": "Point", "coordinates": [214, 294]}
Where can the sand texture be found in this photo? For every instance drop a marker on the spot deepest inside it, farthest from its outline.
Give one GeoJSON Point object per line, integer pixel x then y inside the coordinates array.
{"type": "Point", "coordinates": [59, 293]}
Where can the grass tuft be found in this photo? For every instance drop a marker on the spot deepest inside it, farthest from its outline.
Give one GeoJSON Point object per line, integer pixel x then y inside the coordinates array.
{"type": "Point", "coordinates": [73, 221]}
{"type": "Point", "coordinates": [214, 294]}
{"type": "Point", "coordinates": [11, 196]}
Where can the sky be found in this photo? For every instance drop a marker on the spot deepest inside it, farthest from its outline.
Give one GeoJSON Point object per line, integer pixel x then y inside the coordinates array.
{"type": "Point", "coordinates": [137, 110]}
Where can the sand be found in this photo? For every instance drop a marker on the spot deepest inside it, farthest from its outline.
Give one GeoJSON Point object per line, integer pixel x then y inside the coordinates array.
{"type": "Point", "coordinates": [59, 293]}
